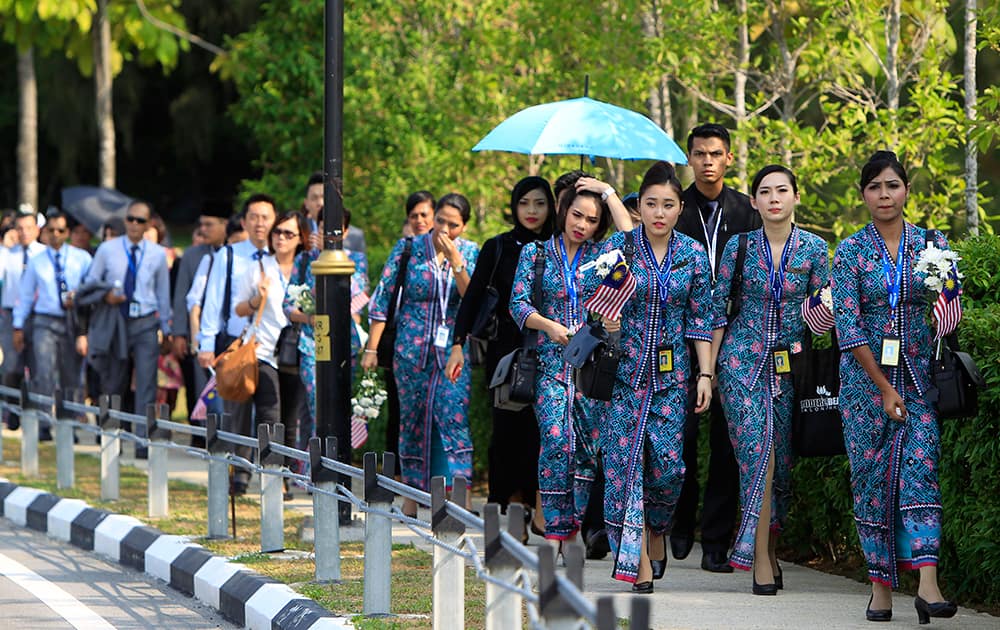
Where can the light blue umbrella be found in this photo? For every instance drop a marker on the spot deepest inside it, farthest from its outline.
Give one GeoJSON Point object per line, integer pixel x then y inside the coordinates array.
{"type": "Point", "coordinates": [583, 126]}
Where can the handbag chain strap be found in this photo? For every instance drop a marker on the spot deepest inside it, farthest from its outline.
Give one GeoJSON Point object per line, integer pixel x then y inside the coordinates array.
{"type": "Point", "coordinates": [531, 337]}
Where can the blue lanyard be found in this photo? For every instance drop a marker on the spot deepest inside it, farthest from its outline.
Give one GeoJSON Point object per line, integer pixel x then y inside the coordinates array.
{"type": "Point", "coordinates": [662, 272]}
{"type": "Point", "coordinates": [893, 273]}
{"type": "Point", "coordinates": [569, 271]}
{"type": "Point", "coordinates": [776, 277]}
{"type": "Point", "coordinates": [60, 272]}
{"type": "Point", "coordinates": [134, 267]}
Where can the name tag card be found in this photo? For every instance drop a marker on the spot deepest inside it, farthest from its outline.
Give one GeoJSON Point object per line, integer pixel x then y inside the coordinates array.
{"type": "Point", "coordinates": [782, 365]}
{"type": "Point", "coordinates": [665, 359]}
{"type": "Point", "coordinates": [133, 309]}
{"type": "Point", "coordinates": [890, 351]}
{"type": "Point", "coordinates": [441, 337]}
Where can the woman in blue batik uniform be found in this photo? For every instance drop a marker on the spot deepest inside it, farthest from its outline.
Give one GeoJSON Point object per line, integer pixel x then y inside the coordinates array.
{"type": "Point", "coordinates": [643, 430]}
{"type": "Point", "coordinates": [782, 266]}
{"type": "Point", "coordinates": [434, 421]}
{"type": "Point", "coordinates": [890, 428]}
{"type": "Point", "coordinates": [567, 422]}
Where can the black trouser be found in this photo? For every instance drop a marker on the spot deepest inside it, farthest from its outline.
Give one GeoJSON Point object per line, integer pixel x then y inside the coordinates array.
{"type": "Point", "coordinates": [718, 513]}
{"type": "Point", "coordinates": [392, 423]}
{"type": "Point", "coordinates": [593, 517]}
{"type": "Point", "coordinates": [266, 405]}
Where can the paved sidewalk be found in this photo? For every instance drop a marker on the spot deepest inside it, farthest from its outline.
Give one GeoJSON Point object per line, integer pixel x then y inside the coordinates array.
{"type": "Point", "coordinates": [687, 597]}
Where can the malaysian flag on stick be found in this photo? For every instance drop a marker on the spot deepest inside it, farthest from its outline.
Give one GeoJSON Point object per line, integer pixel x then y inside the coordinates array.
{"type": "Point", "coordinates": [359, 431]}
{"type": "Point", "coordinates": [615, 290]}
{"type": "Point", "coordinates": [948, 308]}
{"type": "Point", "coordinates": [208, 401]}
{"type": "Point", "coordinates": [358, 301]}
{"type": "Point", "coordinates": [817, 314]}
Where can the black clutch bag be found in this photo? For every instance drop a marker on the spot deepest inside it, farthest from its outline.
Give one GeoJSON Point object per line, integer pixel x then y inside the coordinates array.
{"type": "Point", "coordinates": [286, 350]}
{"type": "Point", "coordinates": [513, 382]}
{"type": "Point", "coordinates": [595, 358]}
{"type": "Point", "coordinates": [956, 381]}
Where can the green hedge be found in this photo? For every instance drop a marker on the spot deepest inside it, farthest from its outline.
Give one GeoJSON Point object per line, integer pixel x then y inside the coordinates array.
{"type": "Point", "coordinates": [821, 525]}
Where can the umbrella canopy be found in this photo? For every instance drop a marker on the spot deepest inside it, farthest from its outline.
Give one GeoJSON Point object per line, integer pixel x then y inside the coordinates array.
{"type": "Point", "coordinates": [93, 206]}
{"type": "Point", "coordinates": [583, 126]}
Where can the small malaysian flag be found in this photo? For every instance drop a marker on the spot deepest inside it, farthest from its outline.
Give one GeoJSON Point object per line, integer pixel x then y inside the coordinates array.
{"type": "Point", "coordinates": [208, 402]}
{"type": "Point", "coordinates": [615, 290]}
{"type": "Point", "coordinates": [948, 308]}
{"type": "Point", "coordinates": [359, 431]}
{"type": "Point", "coordinates": [816, 314]}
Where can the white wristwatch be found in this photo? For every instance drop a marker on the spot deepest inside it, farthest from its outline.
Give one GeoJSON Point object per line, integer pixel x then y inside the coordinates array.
{"type": "Point", "coordinates": [607, 193]}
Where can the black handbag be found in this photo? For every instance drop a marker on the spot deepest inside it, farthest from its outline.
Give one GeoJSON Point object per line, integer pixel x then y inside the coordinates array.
{"type": "Point", "coordinates": [485, 325]}
{"type": "Point", "coordinates": [387, 342]}
{"type": "Point", "coordinates": [956, 381]}
{"type": "Point", "coordinates": [817, 427]}
{"type": "Point", "coordinates": [513, 381]}
{"type": "Point", "coordinates": [594, 356]}
{"type": "Point", "coordinates": [286, 350]}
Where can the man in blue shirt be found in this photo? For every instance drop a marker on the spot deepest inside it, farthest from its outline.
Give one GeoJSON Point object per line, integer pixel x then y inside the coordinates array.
{"type": "Point", "coordinates": [47, 289]}
{"type": "Point", "coordinates": [136, 270]}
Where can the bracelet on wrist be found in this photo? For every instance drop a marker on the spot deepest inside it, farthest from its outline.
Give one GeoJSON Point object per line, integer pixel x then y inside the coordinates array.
{"type": "Point", "coordinates": [706, 375]}
{"type": "Point", "coordinates": [370, 351]}
{"type": "Point", "coordinates": [607, 193]}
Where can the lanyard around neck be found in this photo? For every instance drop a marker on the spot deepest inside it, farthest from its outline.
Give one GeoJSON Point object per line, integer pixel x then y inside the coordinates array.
{"type": "Point", "coordinates": [893, 274]}
{"type": "Point", "coordinates": [712, 242]}
{"type": "Point", "coordinates": [661, 271]}
{"type": "Point", "coordinates": [443, 279]}
{"type": "Point", "coordinates": [776, 276]}
{"type": "Point", "coordinates": [569, 270]}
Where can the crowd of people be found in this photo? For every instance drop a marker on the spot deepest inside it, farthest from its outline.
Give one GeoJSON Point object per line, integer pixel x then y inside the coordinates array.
{"type": "Point", "coordinates": [721, 282]}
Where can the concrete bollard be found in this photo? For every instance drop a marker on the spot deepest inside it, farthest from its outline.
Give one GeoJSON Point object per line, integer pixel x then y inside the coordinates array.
{"type": "Point", "coordinates": [272, 503]}
{"type": "Point", "coordinates": [65, 464]}
{"type": "Point", "coordinates": [156, 473]}
{"type": "Point", "coordinates": [111, 448]}
{"type": "Point", "coordinates": [606, 619]}
{"type": "Point", "coordinates": [555, 611]}
{"type": "Point", "coordinates": [378, 537]}
{"type": "Point", "coordinates": [639, 620]}
{"type": "Point", "coordinates": [449, 569]}
{"type": "Point", "coordinates": [29, 434]}
{"type": "Point", "coordinates": [326, 528]}
{"type": "Point", "coordinates": [503, 607]}
{"type": "Point", "coordinates": [218, 481]}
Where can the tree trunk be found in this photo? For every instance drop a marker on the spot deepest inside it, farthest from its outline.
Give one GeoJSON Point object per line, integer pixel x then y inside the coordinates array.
{"type": "Point", "coordinates": [27, 135]}
{"type": "Point", "coordinates": [740, 94]}
{"type": "Point", "coordinates": [971, 151]}
{"type": "Point", "coordinates": [658, 101]}
{"type": "Point", "coordinates": [101, 34]}
{"type": "Point", "coordinates": [892, 83]}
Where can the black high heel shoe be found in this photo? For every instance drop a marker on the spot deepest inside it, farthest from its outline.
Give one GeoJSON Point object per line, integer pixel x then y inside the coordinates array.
{"type": "Point", "coordinates": [877, 615]}
{"type": "Point", "coordinates": [926, 610]}
{"type": "Point", "coordinates": [643, 588]}
{"type": "Point", "coordinates": [763, 589]}
{"type": "Point", "coordinates": [659, 567]}
{"type": "Point", "coordinates": [780, 583]}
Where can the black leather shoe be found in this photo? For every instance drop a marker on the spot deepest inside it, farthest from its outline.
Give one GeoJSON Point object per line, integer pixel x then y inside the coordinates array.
{"type": "Point", "coordinates": [238, 488]}
{"type": "Point", "coordinates": [780, 583]}
{"type": "Point", "coordinates": [926, 610]}
{"type": "Point", "coordinates": [877, 615]}
{"type": "Point", "coordinates": [659, 566]}
{"type": "Point", "coordinates": [13, 422]}
{"type": "Point", "coordinates": [142, 453]}
{"type": "Point", "coordinates": [763, 589]}
{"type": "Point", "coordinates": [643, 588]}
{"type": "Point", "coordinates": [680, 546]}
{"type": "Point", "coordinates": [597, 544]}
{"type": "Point", "coordinates": [716, 562]}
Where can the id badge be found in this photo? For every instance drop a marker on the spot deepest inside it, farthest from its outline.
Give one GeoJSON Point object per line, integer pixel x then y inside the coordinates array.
{"type": "Point", "coordinates": [441, 337]}
{"type": "Point", "coordinates": [782, 365]}
{"type": "Point", "coordinates": [665, 359]}
{"type": "Point", "coordinates": [890, 351]}
{"type": "Point", "coordinates": [133, 309]}
{"type": "Point", "coordinates": [63, 297]}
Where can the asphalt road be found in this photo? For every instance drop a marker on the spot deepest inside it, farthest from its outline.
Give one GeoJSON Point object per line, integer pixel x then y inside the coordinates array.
{"type": "Point", "coordinates": [47, 584]}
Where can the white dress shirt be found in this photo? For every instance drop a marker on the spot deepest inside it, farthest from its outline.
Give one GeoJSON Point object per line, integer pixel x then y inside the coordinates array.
{"type": "Point", "coordinates": [273, 318]}
{"type": "Point", "coordinates": [152, 282]}
{"type": "Point", "coordinates": [39, 287]}
{"type": "Point", "coordinates": [197, 290]}
{"type": "Point", "coordinates": [212, 317]}
{"type": "Point", "coordinates": [12, 265]}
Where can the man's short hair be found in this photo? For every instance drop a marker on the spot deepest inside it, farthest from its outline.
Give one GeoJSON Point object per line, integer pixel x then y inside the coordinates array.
{"type": "Point", "coordinates": [709, 130]}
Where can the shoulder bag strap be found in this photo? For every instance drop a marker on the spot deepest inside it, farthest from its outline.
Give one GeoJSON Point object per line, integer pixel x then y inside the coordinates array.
{"type": "Point", "coordinates": [531, 337]}
{"type": "Point", "coordinates": [208, 274]}
{"type": "Point", "coordinates": [736, 284]}
{"type": "Point", "coordinates": [227, 296]}
{"type": "Point", "coordinates": [629, 248]}
{"type": "Point", "coordinates": [404, 261]}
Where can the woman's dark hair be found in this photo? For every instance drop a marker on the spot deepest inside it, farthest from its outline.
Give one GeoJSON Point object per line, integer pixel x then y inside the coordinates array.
{"type": "Point", "coordinates": [456, 201]}
{"type": "Point", "coordinates": [418, 198]}
{"type": "Point", "coordinates": [301, 221]}
{"type": "Point", "coordinates": [522, 188]}
{"type": "Point", "coordinates": [878, 162]}
{"type": "Point", "coordinates": [604, 214]}
{"type": "Point", "coordinates": [767, 170]}
{"type": "Point", "coordinates": [659, 174]}
{"type": "Point", "coordinates": [567, 180]}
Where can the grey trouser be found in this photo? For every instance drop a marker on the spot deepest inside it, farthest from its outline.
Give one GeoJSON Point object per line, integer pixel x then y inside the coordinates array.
{"type": "Point", "coordinates": [145, 351]}
{"type": "Point", "coordinates": [55, 358]}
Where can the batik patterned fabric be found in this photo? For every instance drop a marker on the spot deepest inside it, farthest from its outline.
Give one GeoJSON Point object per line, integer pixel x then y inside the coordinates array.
{"type": "Point", "coordinates": [894, 465]}
{"type": "Point", "coordinates": [756, 399]}
{"type": "Point", "coordinates": [426, 397]}
{"type": "Point", "coordinates": [642, 432]}
{"type": "Point", "coordinates": [567, 421]}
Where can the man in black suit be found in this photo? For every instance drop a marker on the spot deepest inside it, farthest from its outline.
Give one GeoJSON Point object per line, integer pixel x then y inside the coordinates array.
{"type": "Point", "coordinates": [712, 213]}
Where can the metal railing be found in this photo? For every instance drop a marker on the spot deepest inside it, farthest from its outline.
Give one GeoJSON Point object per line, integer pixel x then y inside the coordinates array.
{"type": "Point", "coordinates": [518, 580]}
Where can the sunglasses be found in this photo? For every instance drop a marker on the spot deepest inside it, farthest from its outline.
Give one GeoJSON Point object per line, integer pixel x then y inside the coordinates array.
{"type": "Point", "coordinates": [285, 234]}
{"type": "Point", "coordinates": [56, 230]}
{"type": "Point", "coordinates": [140, 220]}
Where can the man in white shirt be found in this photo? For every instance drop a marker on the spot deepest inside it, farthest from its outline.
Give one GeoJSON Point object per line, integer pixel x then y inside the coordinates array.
{"type": "Point", "coordinates": [137, 271]}
{"type": "Point", "coordinates": [13, 262]}
{"type": "Point", "coordinates": [220, 324]}
{"type": "Point", "coordinates": [48, 286]}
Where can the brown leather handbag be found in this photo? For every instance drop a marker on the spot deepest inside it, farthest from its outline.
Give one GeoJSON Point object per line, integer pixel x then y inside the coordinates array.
{"type": "Point", "coordinates": [236, 370]}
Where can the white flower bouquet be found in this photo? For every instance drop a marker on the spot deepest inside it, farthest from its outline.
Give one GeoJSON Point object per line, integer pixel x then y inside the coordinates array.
{"type": "Point", "coordinates": [302, 297]}
{"type": "Point", "coordinates": [369, 397]}
{"type": "Point", "coordinates": [936, 265]}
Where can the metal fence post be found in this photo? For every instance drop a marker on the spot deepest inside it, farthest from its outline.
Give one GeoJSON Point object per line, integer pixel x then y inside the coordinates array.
{"type": "Point", "coordinates": [606, 619]}
{"type": "Point", "coordinates": [111, 447]}
{"type": "Point", "coordinates": [554, 609]}
{"type": "Point", "coordinates": [503, 606]}
{"type": "Point", "coordinates": [65, 473]}
{"type": "Point", "coordinates": [449, 569]}
{"type": "Point", "coordinates": [29, 434]}
{"type": "Point", "coordinates": [272, 503]}
{"type": "Point", "coordinates": [218, 481]}
{"type": "Point", "coordinates": [378, 537]}
{"type": "Point", "coordinates": [640, 614]}
{"type": "Point", "coordinates": [326, 528]}
{"type": "Point", "coordinates": [156, 475]}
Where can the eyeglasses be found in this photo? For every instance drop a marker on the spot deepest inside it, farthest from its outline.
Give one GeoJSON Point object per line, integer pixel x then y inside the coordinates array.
{"type": "Point", "coordinates": [60, 230]}
{"type": "Point", "coordinates": [285, 234]}
{"type": "Point", "coordinates": [134, 219]}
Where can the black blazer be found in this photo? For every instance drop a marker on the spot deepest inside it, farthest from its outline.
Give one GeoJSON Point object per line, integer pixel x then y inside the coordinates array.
{"type": "Point", "coordinates": [737, 216]}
